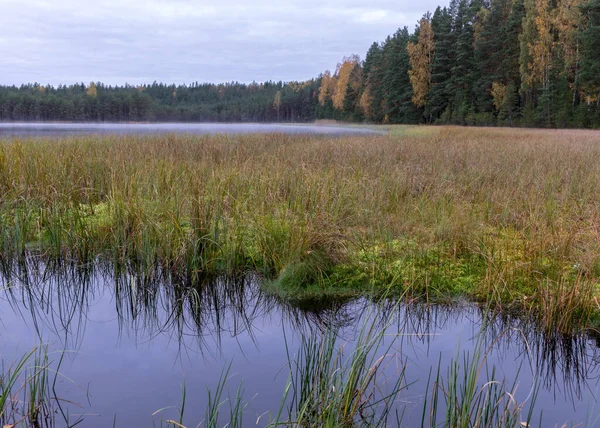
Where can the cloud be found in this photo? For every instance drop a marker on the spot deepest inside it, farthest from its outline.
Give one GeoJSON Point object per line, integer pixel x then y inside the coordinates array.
{"type": "Point", "coordinates": [181, 41]}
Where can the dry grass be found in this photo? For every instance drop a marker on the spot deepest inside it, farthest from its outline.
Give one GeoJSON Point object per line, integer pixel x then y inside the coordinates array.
{"type": "Point", "coordinates": [501, 214]}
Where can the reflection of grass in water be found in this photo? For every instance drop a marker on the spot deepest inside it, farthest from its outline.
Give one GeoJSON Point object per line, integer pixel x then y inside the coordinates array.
{"type": "Point", "coordinates": [197, 314]}
{"type": "Point", "coordinates": [190, 305]}
{"type": "Point", "coordinates": [330, 388]}
{"type": "Point", "coordinates": [333, 387]}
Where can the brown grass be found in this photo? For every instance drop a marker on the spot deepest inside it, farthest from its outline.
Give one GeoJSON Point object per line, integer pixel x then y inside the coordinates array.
{"type": "Point", "coordinates": [520, 205]}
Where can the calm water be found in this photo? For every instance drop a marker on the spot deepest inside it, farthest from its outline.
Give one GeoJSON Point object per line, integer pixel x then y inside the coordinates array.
{"type": "Point", "coordinates": [130, 346]}
{"type": "Point", "coordinates": [61, 129]}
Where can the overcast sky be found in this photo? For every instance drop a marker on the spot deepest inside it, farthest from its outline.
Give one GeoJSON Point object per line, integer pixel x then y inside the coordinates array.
{"type": "Point", "coordinates": [182, 41]}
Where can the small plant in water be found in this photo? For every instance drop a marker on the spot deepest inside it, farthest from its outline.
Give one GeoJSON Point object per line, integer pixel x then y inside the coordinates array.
{"type": "Point", "coordinates": [333, 388]}
{"type": "Point", "coordinates": [473, 397]}
{"type": "Point", "coordinates": [27, 392]}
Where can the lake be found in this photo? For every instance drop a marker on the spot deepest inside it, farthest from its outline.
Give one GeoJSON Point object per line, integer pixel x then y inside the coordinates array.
{"type": "Point", "coordinates": [130, 345]}
{"type": "Point", "coordinates": [62, 129]}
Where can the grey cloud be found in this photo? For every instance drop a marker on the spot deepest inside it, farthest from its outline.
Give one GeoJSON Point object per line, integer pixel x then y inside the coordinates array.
{"type": "Point", "coordinates": [134, 41]}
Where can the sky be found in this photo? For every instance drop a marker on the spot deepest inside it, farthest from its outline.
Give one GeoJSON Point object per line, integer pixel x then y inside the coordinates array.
{"type": "Point", "coordinates": [184, 41]}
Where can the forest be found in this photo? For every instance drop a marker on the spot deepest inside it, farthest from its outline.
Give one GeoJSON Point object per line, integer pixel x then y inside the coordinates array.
{"type": "Point", "coordinates": [158, 102]}
{"type": "Point", "coordinates": [473, 62]}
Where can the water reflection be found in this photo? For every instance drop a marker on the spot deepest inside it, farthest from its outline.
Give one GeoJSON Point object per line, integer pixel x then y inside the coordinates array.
{"type": "Point", "coordinates": [220, 319]}
{"type": "Point", "coordinates": [566, 365]}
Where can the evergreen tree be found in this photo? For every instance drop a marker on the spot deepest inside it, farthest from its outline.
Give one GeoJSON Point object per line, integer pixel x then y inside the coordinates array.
{"type": "Point", "coordinates": [438, 97]}
{"type": "Point", "coordinates": [461, 81]}
{"type": "Point", "coordinates": [489, 51]}
{"type": "Point", "coordinates": [396, 84]}
{"type": "Point", "coordinates": [590, 58]}
{"type": "Point", "coordinates": [507, 62]}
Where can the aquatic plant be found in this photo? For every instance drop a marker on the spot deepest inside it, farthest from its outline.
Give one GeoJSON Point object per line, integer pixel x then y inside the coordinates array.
{"type": "Point", "coordinates": [471, 395]}
{"type": "Point", "coordinates": [330, 387]}
{"type": "Point", "coordinates": [28, 392]}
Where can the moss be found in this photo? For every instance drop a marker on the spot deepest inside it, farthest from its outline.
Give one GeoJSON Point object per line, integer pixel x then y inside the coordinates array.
{"type": "Point", "coordinates": [96, 216]}
{"type": "Point", "coordinates": [312, 269]}
{"type": "Point", "coordinates": [398, 267]}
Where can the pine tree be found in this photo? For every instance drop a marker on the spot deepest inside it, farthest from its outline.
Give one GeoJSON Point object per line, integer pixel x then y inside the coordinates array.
{"type": "Point", "coordinates": [461, 82]}
{"type": "Point", "coordinates": [373, 91]}
{"type": "Point", "coordinates": [489, 52]}
{"type": "Point", "coordinates": [438, 96]}
{"type": "Point", "coordinates": [590, 58]}
{"type": "Point", "coordinates": [398, 107]}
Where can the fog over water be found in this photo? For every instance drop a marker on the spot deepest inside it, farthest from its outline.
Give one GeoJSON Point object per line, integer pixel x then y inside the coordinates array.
{"type": "Point", "coordinates": [63, 129]}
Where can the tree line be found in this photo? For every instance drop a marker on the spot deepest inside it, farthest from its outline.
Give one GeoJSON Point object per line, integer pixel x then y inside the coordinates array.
{"type": "Point", "coordinates": [479, 62]}
{"type": "Point", "coordinates": [158, 102]}
{"type": "Point", "coordinates": [473, 62]}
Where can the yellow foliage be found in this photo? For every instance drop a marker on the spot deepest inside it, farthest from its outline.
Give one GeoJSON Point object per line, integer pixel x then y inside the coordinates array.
{"type": "Point", "coordinates": [499, 94]}
{"type": "Point", "coordinates": [421, 56]}
{"type": "Point", "coordinates": [567, 23]}
{"type": "Point", "coordinates": [366, 102]}
{"type": "Point", "coordinates": [542, 46]}
{"type": "Point", "coordinates": [92, 91]}
{"type": "Point", "coordinates": [327, 88]}
{"type": "Point", "coordinates": [478, 25]}
{"type": "Point", "coordinates": [348, 72]}
{"type": "Point", "coordinates": [298, 86]}
{"type": "Point", "coordinates": [277, 103]}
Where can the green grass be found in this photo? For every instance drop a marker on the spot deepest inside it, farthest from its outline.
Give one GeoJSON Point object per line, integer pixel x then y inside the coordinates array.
{"type": "Point", "coordinates": [336, 384]}
{"type": "Point", "coordinates": [28, 392]}
{"type": "Point", "coordinates": [502, 216]}
{"type": "Point", "coordinates": [332, 387]}
{"type": "Point", "coordinates": [470, 394]}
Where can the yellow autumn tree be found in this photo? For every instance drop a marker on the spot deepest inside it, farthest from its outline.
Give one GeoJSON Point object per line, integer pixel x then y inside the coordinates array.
{"type": "Point", "coordinates": [348, 73]}
{"type": "Point", "coordinates": [542, 46]}
{"type": "Point", "coordinates": [568, 22]}
{"type": "Point", "coordinates": [92, 91]}
{"type": "Point", "coordinates": [420, 56]}
{"type": "Point", "coordinates": [366, 102]}
{"type": "Point", "coordinates": [277, 103]}
{"type": "Point", "coordinates": [499, 94]}
{"type": "Point", "coordinates": [327, 88]}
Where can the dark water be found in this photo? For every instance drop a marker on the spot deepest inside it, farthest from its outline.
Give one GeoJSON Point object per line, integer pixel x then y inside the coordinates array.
{"type": "Point", "coordinates": [63, 129]}
{"type": "Point", "coordinates": [131, 344]}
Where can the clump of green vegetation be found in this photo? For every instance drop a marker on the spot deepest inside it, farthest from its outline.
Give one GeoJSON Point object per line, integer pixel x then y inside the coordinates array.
{"type": "Point", "coordinates": [331, 389]}
{"type": "Point", "coordinates": [496, 215]}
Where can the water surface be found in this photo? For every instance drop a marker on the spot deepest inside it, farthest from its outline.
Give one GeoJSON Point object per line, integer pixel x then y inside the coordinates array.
{"type": "Point", "coordinates": [64, 129]}
{"type": "Point", "coordinates": [131, 345]}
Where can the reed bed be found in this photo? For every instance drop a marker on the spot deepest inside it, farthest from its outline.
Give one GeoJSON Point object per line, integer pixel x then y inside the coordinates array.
{"type": "Point", "coordinates": [505, 216]}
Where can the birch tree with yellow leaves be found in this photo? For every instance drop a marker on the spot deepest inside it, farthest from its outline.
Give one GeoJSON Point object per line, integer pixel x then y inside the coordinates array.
{"type": "Point", "coordinates": [421, 56]}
